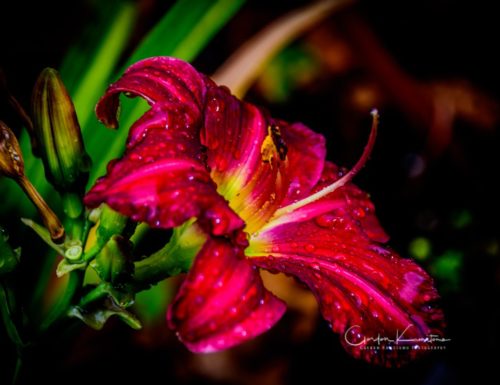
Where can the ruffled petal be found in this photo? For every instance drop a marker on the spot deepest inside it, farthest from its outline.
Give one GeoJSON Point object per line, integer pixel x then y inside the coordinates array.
{"type": "Point", "coordinates": [258, 162]}
{"type": "Point", "coordinates": [222, 302]}
{"type": "Point", "coordinates": [348, 205]}
{"type": "Point", "coordinates": [162, 178]}
{"type": "Point", "coordinates": [158, 80]}
{"type": "Point", "coordinates": [306, 159]}
{"type": "Point", "coordinates": [364, 289]}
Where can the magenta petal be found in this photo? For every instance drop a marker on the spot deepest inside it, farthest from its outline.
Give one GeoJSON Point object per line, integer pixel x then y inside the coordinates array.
{"type": "Point", "coordinates": [162, 178]}
{"type": "Point", "coordinates": [158, 80]}
{"type": "Point", "coordinates": [363, 288]}
{"type": "Point", "coordinates": [222, 302]}
{"type": "Point", "coordinates": [355, 204]}
{"type": "Point", "coordinates": [306, 159]}
{"type": "Point", "coordinates": [233, 132]}
{"type": "Point", "coordinates": [359, 284]}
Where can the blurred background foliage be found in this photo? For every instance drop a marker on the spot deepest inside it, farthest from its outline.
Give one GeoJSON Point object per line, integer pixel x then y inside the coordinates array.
{"type": "Point", "coordinates": [431, 69]}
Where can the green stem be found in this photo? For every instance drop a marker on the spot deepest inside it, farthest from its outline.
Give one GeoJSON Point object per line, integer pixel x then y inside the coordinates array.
{"type": "Point", "coordinates": [73, 208]}
{"type": "Point", "coordinates": [140, 231]}
{"type": "Point", "coordinates": [174, 258]}
{"type": "Point", "coordinates": [17, 369]}
{"type": "Point", "coordinates": [42, 282]}
{"type": "Point", "coordinates": [95, 294]}
{"type": "Point", "coordinates": [61, 307]}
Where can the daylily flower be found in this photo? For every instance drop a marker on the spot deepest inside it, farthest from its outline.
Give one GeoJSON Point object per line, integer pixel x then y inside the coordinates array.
{"type": "Point", "coordinates": [263, 197]}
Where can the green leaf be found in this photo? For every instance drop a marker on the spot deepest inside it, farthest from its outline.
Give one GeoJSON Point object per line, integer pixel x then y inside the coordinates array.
{"type": "Point", "coordinates": [86, 71]}
{"type": "Point", "coordinates": [183, 32]}
{"type": "Point", "coordinates": [94, 80]}
{"type": "Point", "coordinates": [114, 262]}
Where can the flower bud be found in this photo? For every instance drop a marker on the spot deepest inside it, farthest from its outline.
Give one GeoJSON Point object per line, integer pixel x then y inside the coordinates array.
{"type": "Point", "coordinates": [11, 160]}
{"type": "Point", "coordinates": [58, 132]}
{"type": "Point", "coordinates": [12, 166]}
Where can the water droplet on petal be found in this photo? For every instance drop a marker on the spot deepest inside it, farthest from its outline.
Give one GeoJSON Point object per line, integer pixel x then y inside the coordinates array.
{"type": "Point", "coordinates": [310, 248]}
{"type": "Point", "coordinates": [359, 212]}
{"type": "Point", "coordinates": [356, 299]}
{"type": "Point", "coordinates": [325, 220]}
{"type": "Point", "coordinates": [222, 164]}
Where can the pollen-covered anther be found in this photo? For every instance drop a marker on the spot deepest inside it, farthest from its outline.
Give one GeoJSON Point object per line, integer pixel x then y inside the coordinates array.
{"type": "Point", "coordinates": [273, 147]}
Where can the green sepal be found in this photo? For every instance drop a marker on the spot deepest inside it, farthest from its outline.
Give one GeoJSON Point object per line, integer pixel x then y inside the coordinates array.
{"type": "Point", "coordinates": [114, 262]}
{"type": "Point", "coordinates": [66, 266]}
{"type": "Point", "coordinates": [97, 317]}
{"type": "Point", "coordinates": [110, 223]}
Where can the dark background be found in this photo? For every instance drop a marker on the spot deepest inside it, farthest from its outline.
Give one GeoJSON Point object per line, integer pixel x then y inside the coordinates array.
{"type": "Point", "coordinates": [429, 41]}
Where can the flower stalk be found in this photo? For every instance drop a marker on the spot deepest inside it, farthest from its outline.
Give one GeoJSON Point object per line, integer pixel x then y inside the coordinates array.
{"type": "Point", "coordinates": [12, 166]}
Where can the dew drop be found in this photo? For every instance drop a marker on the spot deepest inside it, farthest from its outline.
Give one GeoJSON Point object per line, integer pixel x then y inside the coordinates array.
{"type": "Point", "coordinates": [325, 220]}
{"type": "Point", "coordinates": [356, 299]}
{"type": "Point", "coordinates": [310, 248]}
{"type": "Point", "coordinates": [222, 164]}
{"type": "Point", "coordinates": [359, 212]}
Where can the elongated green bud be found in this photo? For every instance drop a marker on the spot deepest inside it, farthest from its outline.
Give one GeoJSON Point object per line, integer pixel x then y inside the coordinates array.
{"type": "Point", "coordinates": [12, 166]}
{"type": "Point", "coordinates": [58, 132]}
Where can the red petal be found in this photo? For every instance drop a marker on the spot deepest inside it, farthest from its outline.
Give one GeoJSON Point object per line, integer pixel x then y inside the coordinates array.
{"type": "Point", "coordinates": [234, 133]}
{"type": "Point", "coordinates": [222, 302]}
{"type": "Point", "coordinates": [157, 79]}
{"type": "Point", "coordinates": [162, 178]}
{"type": "Point", "coordinates": [330, 246]}
{"type": "Point", "coordinates": [356, 203]}
{"type": "Point", "coordinates": [306, 159]}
